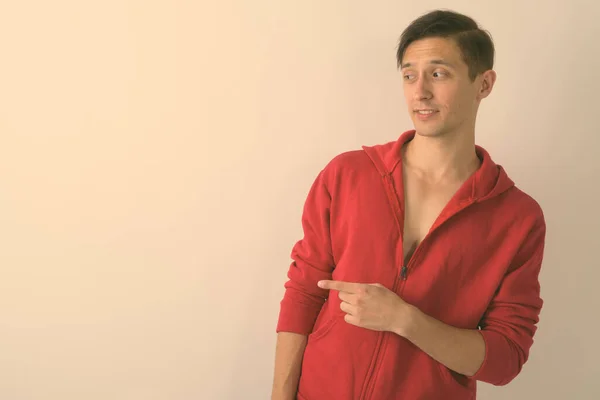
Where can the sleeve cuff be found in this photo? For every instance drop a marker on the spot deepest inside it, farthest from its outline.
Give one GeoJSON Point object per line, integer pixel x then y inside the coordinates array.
{"type": "Point", "coordinates": [499, 356]}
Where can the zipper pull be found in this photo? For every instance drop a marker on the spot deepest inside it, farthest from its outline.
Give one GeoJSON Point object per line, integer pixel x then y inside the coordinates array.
{"type": "Point", "coordinates": [403, 271]}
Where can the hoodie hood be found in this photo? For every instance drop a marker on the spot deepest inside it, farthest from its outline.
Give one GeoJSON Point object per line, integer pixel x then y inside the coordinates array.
{"type": "Point", "coordinates": [490, 179]}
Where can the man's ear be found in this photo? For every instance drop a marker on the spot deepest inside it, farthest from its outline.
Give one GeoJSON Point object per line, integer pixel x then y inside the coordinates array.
{"type": "Point", "coordinates": [487, 81]}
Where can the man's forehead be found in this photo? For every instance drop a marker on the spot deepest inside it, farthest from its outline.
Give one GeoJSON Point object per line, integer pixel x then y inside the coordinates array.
{"type": "Point", "coordinates": [439, 51]}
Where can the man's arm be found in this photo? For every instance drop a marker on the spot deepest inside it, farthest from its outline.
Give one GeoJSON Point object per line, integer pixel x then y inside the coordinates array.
{"type": "Point", "coordinates": [288, 362]}
{"type": "Point", "coordinates": [375, 307]}
{"type": "Point", "coordinates": [461, 350]}
{"type": "Point", "coordinates": [496, 353]}
{"type": "Point", "coordinates": [303, 300]}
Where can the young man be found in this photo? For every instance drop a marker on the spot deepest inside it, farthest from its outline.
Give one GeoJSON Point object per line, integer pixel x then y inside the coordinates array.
{"type": "Point", "coordinates": [418, 272]}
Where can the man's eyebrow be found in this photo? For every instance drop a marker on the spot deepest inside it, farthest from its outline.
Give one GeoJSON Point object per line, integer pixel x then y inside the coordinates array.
{"type": "Point", "coordinates": [436, 62]}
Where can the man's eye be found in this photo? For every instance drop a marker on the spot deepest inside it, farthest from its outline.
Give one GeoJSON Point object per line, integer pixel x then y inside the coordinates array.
{"type": "Point", "coordinates": [438, 74]}
{"type": "Point", "coordinates": [407, 77]}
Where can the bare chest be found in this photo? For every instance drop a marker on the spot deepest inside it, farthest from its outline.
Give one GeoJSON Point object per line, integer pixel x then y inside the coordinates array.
{"type": "Point", "coordinates": [423, 204]}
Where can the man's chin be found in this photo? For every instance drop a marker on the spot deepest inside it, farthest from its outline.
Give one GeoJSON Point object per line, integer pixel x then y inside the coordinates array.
{"type": "Point", "coordinates": [428, 131]}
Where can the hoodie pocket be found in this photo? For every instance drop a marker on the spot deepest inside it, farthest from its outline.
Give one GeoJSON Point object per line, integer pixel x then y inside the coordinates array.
{"type": "Point", "coordinates": [322, 330]}
{"type": "Point", "coordinates": [336, 360]}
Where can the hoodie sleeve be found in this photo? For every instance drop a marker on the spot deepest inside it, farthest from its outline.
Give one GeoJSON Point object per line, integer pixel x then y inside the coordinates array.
{"type": "Point", "coordinates": [509, 323]}
{"type": "Point", "coordinates": [312, 261]}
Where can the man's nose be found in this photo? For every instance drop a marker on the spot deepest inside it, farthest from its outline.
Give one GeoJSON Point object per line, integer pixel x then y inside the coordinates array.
{"type": "Point", "coordinates": [422, 90]}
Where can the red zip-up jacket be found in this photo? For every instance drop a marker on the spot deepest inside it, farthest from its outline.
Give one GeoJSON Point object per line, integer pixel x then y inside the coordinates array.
{"type": "Point", "coordinates": [477, 268]}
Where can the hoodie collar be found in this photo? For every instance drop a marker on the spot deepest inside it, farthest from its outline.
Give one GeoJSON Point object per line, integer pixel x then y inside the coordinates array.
{"type": "Point", "coordinates": [489, 180]}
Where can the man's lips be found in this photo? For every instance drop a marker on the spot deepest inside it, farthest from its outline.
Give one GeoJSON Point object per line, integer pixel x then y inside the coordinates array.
{"type": "Point", "coordinates": [425, 110]}
{"type": "Point", "coordinates": [425, 114]}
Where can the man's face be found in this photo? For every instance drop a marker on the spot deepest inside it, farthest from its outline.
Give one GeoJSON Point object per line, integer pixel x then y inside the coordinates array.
{"type": "Point", "coordinates": [440, 96]}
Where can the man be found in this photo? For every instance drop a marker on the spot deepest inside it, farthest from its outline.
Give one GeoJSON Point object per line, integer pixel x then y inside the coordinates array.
{"type": "Point", "coordinates": [418, 272]}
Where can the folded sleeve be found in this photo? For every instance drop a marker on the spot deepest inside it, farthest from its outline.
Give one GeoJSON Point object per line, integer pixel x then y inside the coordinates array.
{"type": "Point", "coordinates": [510, 322]}
{"type": "Point", "coordinates": [312, 260]}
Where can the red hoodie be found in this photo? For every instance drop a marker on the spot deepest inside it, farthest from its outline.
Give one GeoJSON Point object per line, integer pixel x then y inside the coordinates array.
{"type": "Point", "coordinates": [477, 268]}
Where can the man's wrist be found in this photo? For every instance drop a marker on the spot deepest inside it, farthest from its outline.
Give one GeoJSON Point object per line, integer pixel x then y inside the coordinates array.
{"type": "Point", "coordinates": [406, 323]}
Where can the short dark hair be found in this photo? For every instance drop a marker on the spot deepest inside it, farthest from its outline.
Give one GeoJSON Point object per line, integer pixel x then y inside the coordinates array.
{"type": "Point", "coordinates": [475, 43]}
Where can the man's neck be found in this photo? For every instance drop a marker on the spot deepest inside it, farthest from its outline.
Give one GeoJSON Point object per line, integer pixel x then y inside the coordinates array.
{"type": "Point", "coordinates": [447, 158]}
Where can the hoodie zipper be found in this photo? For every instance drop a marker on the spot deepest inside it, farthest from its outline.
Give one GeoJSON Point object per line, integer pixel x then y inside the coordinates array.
{"type": "Point", "coordinates": [398, 217]}
{"type": "Point", "coordinates": [404, 269]}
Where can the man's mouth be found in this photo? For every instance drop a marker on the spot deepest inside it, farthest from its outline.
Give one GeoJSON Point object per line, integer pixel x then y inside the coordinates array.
{"type": "Point", "coordinates": [425, 112]}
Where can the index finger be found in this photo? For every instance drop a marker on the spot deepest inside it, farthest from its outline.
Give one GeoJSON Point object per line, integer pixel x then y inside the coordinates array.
{"type": "Point", "coordinates": [348, 287]}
